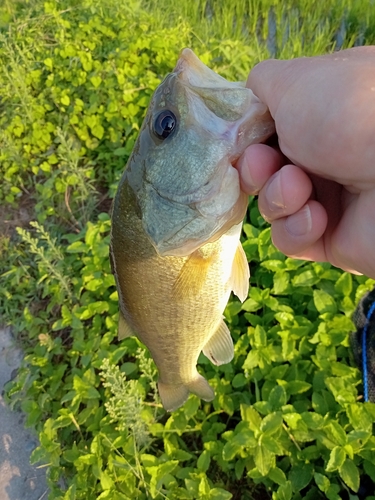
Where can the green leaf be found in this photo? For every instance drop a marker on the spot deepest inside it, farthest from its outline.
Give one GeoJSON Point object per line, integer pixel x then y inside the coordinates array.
{"type": "Point", "coordinates": [369, 469]}
{"type": "Point", "coordinates": [48, 62]}
{"type": "Point", "coordinates": [106, 481]}
{"type": "Point", "coordinates": [97, 131]}
{"type": "Point", "coordinates": [251, 305]}
{"type": "Point", "coordinates": [336, 459]}
{"type": "Point", "coordinates": [272, 423]}
{"type": "Point", "coordinates": [277, 476]}
{"type": "Point", "coordinates": [239, 468]}
{"type": "Point", "coordinates": [239, 380]}
{"type": "Point", "coordinates": [280, 282]}
{"type": "Point", "coordinates": [319, 403]}
{"type": "Point", "coordinates": [306, 278]}
{"type": "Point", "coordinates": [250, 231]}
{"type": "Point", "coordinates": [128, 367]}
{"type": "Point", "coordinates": [300, 476]}
{"type": "Point", "coordinates": [260, 337]}
{"type": "Point", "coordinates": [321, 481]}
{"type": "Point", "coordinates": [77, 247]}
{"type": "Point", "coordinates": [244, 438]}
{"type": "Point", "coordinates": [96, 81]}
{"type": "Point", "coordinates": [72, 454]}
{"type": "Point", "coordinates": [65, 100]}
{"type": "Point", "coordinates": [284, 492]}
{"type": "Point", "coordinates": [225, 402]}
{"type": "Point", "coordinates": [264, 459]}
{"type": "Point", "coordinates": [350, 474]}
{"type": "Point", "coordinates": [182, 455]}
{"type": "Point", "coordinates": [297, 387]}
{"type": "Point", "coordinates": [359, 417]}
{"type": "Point", "coordinates": [191, 406]}
{"type": "Point", "coordinates": [272, 444]}
{"type": "Point", "coordinates": [204, 461]}
{"type": "Point", "coordinates": [231, 448]}
{"type": "Point", "coordinates": [120, 152]}
{"type": "Point", "coordinates": [219, 494]}
{"type": "Point", "coordinates": [324, 302]}
{"type": "Point", "coordinates": [277, 397]}
{"type": "Point", "coordinates": [39, 455]}
{"type": "Point", "coordinates": [341, 390]}
{"type": "Point", "coordinates": [312, 420]}
{"type": "Point", "coordinates": [249, 414]}
{"type": "Point", "coordinates": [70, 494]}
{"type": "Point", "coordinates": [336, 433]}
{"type": "Point", "coordinates": [84, 389]}
{"type": "Point", "coordinates": [204, 487]}
{"type": "Point", "coordinates": [344, 284]}
{"type": "Point", "coordinates": [333, 493]}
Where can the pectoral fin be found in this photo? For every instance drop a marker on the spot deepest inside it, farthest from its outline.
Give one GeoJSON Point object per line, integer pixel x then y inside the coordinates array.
{"type": "Point", "coordinates": [124, 330]}
{"type": "Point", "coordinates": [240, 274]}
{"type": "Point", "coordinates": [219, 349]}
{"type": "Point", "coordinates": [192, 275]}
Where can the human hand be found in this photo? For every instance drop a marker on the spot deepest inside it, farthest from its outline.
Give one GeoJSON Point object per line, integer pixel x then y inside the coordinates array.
{"type": "Point", "coordinates": [318, 190]}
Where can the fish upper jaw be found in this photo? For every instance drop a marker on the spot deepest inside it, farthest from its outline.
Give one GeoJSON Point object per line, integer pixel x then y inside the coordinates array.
{"type": "Point", "coordinates": [230, 111]}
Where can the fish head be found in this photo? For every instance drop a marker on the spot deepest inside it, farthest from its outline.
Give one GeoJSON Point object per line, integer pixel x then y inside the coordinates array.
{"type": "Point", "coordinates": [181, 169]}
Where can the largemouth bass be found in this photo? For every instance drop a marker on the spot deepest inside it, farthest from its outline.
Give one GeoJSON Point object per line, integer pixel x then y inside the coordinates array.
{"type": "Point", "coordinates": [176, 222]}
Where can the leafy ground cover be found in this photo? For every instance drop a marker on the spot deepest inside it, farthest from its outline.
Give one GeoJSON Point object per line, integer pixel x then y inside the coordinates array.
{"type": "Point", "coordinates": [288, 421]}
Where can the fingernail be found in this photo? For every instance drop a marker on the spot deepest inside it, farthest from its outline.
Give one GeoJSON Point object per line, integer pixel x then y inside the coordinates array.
{"type": "Point", "coordinates": [273, 193]}
{"type": "Point", "coordinates": [300, 223]}
{"type": "Point", "coordinates": [246, 178]}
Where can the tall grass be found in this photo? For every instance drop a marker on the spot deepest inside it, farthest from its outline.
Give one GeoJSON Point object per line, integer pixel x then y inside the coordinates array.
{"type": "Point", "coordinates": [276, 28]}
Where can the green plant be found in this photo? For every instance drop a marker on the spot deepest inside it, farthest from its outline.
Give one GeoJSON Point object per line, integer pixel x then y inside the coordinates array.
{"type": "Point", "coordinates": [288, 421]}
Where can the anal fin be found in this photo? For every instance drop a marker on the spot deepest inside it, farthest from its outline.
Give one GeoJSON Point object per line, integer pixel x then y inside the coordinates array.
{"type": "Point", "coordinates": [240, 274]}
{"type": "Point", "coordinates": [219, 349]}
{"type": "Point", "coordinates": [124, 330]}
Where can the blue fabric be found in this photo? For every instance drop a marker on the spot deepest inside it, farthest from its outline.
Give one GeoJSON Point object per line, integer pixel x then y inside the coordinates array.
{"type": "Point", "coordinates": [364, 351]}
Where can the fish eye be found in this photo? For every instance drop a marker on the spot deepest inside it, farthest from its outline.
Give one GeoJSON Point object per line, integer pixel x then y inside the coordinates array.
{"type": "Point", "coordinates": [165, 124]}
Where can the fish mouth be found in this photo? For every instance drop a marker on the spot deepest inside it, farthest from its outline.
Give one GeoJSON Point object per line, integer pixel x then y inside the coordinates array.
{"type": "Point", "coordinates": [226, 99]}
{"type": "Point", "coordinates": [240, 117]}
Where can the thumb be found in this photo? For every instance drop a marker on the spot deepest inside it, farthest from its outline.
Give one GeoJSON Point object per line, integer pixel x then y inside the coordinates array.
{"type": "Point", "coordinates": [269, 81]}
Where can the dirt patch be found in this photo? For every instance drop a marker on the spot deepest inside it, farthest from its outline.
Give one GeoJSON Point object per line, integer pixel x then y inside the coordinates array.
{"type": "Point", "coordinates": [16, 216]}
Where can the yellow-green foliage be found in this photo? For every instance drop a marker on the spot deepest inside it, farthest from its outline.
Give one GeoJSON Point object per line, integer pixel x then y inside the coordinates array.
{"type": "Point", "coordinates": [288, 421]}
